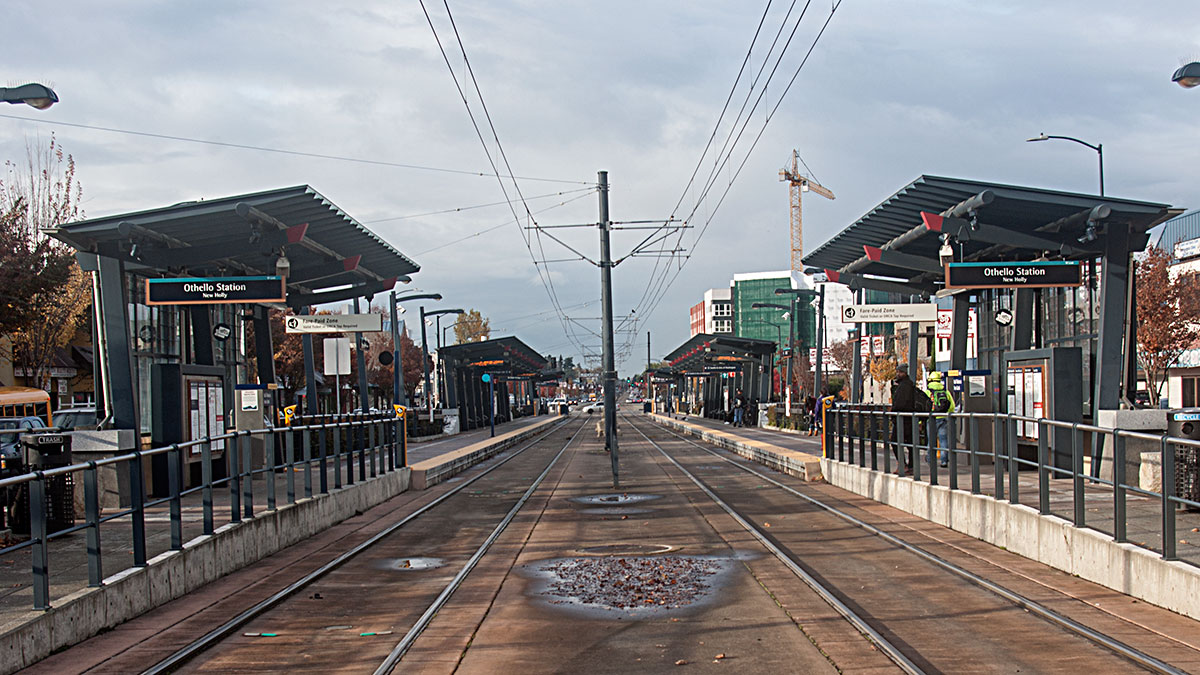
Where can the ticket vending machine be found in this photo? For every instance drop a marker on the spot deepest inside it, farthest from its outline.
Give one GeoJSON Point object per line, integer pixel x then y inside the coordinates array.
{"type": "Point", "coordinates": [1045, 383]}
{"type": "Point", "coordinates": [188, 403]}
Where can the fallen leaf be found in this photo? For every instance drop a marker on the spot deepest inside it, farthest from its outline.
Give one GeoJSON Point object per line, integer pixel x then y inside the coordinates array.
{"type": "Point", "coordinates": [681, 662]}
{"type": "Point", "coordinates": [720, 656]}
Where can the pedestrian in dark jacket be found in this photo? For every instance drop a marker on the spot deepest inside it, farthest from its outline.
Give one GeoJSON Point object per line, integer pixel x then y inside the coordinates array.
{"type": "Point", "coordinates": [904, 400]}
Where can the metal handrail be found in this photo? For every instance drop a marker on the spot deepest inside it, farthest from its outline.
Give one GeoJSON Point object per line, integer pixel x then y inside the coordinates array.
{"type": "Point", "coordinates": [870, 427]}
{"type": "Point", "coordinates": [378, 442]}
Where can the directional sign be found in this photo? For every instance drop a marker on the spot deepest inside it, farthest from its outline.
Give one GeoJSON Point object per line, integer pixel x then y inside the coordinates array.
{"type": "Point", "coordinates": [334, 323]}
{"type": "Point", "coordinates": [214, 290]}
{"type": "Point", "coordinates": [1037, 274]}
{"type": "Point", "coordinates": [337, 356]}
{"type": "Point", "coordinates": [915, 312]}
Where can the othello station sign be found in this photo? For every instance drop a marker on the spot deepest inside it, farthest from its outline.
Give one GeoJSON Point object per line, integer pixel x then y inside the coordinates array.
{"type": "Point", "coordinates": [214, 290]}
{"type": "Point", "coordinates": [1037, 274]}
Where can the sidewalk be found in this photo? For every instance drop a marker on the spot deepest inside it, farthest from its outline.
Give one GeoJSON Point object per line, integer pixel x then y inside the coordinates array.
{"type": "Point", "coordinates": [68, 556]}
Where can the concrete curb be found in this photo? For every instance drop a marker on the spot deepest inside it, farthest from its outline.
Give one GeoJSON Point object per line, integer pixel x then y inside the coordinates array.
{"type": "Point", "coordinates": [1051, 540]}
{"type": "Point", "coordinates": [430, 472]}
{"type": "Point", "coordinates": [791, 462]}
{"type": "Point", "coordinates": [127, 594]}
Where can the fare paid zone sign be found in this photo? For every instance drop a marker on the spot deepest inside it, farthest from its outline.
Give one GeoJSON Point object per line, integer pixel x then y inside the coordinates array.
{"type": "Point", "coordinates": [911, 313]}
{"type": "Point", "coordinates": [214, 291]}
{"type": "Point", "coordinates": [334, 323]}
{"type": "Point", "coordinates": [1039, 274]}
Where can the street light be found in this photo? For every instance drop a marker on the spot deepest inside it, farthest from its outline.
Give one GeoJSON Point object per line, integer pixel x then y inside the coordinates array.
{"type": "Point", "coordinates": [425, 351]}
{"type": "Point", "coordinates": [791, 310]}
{"type": "Point", "coordinates": [1187, 76]}
{"type": "Point", "coordinates": [34, 95]}
{"type": "Point", "coordinates": [398, 395]}
{"type": "Point", "coordinates": [1098, 148]}
{"type": "Point", "coordinates": [778, 341]}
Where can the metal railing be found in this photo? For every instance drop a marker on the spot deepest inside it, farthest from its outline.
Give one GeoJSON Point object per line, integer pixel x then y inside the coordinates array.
{"type": "Point", "coordinates": [876, 438]}
{"type": "Point", "coordinates": [331, 447]}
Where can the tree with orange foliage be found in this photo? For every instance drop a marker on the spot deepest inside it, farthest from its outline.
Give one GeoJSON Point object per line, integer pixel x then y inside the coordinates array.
{"type": "Point", "coordinates": [1168, 316]}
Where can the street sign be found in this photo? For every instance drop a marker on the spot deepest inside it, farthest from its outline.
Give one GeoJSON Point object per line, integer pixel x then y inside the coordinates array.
{"type": "Point", "coordinates": [337, 356]}
{"type": "Point", "coordinates": [914, 312]}
{"type": "Point", "coordinates": [214, 290]}
{"type": "Point", "coordinates": [878, 345]}
{"type": "Point", "coordinates": [1037, 274]}
{"type": "Point", "coordinates": [334, 323]}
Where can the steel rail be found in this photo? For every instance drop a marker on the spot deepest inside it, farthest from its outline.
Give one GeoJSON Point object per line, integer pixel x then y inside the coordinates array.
{"type": "Point", "coordinates": [223, 631]}
{"type": "Point", "coordinates": [1137, 656]}
{"type": "Point", "coordinates": [860, 624]}
{"type": "Point", "coordinates": [402, 647]}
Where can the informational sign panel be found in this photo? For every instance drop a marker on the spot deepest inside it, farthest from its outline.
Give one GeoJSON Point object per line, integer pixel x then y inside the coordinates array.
{"type": "Point", "coordinates": [864, 346]}
{"type": "Point", "coordinates": [337, 356]}
{"type": "Point", "coordinates": [214, 290]}
{"type": "Point", "coordinates": [878, 345]}
{"type": "Point", "coordinates": [1038, 274]}
{"type": "Point", "coordinates": [1187, 249]}
{"type": "Point", "coordinates": [944, 328]}
{"type": "Point", "coordinates": [334, 323]}
{"type": "Point", "coordinates": [249, 399]}
{"type": "Point", "coordinates": [915, 312]}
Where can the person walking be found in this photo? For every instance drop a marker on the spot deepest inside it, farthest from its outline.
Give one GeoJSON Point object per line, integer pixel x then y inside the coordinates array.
{"type": "Point", "coordinates": [739, 408]}
{"type": "Point", "coordinates": [942, 404]}
{"type": "Point", "coordinates": [904, 400]}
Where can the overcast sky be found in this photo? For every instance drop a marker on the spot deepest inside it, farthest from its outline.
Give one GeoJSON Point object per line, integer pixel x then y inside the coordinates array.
{"type": "Point", "coordinates": [891, 91]}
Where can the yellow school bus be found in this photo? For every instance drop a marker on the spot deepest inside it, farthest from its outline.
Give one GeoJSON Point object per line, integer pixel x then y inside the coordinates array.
{"type": "Point", "coordinates": [25, 402]}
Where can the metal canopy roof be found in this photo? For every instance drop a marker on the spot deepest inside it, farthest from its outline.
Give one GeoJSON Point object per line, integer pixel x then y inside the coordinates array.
{"type": "Point", "coordinates": [691, 354]}
{"type": "Point", "coordinates": [510, 350]}
{"type": "Point", "coordinates": [1052, 221]}
{"type": "Point", "coordinates": [243, 234]}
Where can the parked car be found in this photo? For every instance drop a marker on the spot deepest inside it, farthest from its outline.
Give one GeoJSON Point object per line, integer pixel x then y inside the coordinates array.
{"type": "Point", "coordinates": [79, 417]}
{"type": "Point", "coordinates": [11, 457]}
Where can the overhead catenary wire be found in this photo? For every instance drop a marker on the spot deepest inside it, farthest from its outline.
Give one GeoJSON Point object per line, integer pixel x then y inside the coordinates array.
{"type": "Point", "coordinates": [473, 207]}
{"type": "Point", "coordinates": [281, 151]}
{"type": "Point", "coordinates": [546, 279]}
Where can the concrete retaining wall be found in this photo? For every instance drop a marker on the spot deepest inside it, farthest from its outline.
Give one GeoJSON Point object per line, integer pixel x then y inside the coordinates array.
{"type": "Point", "coordinates": [127, 594]}
{"type": "Point", "coordinates": [1089, 554]}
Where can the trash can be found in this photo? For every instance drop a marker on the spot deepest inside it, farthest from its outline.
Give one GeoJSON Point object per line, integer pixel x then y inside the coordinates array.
{"type": "Point", "coordinates": [1185, 423]}
{"type": "Point", "coordinates": [50, 451]}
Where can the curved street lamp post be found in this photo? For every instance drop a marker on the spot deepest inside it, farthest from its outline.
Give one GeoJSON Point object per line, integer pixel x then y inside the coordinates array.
{"type": "Point", "coordinates": [1099, 148]}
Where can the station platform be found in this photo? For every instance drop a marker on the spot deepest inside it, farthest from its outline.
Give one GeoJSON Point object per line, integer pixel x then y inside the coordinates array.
{"type": "Point", "coordinates": [790, 453]}
{"type": "Point", "coordinates": [441, 457]}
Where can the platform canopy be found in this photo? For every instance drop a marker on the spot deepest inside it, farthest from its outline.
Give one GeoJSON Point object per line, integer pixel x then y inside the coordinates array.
{"type": "Point", "coordinates": [894, 248]}
{"type": "Point", "coordinates": [497, 355]}
{"type": "Point", "coordinates": [246, 235]}
{"type": "Point", "coordinates": [706, 353]}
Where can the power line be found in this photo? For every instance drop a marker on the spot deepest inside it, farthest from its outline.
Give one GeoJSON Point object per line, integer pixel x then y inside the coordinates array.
{"type": "Point", "coordinates": [471, 208]}
{"type": "Point", "coordinates": [504, 224]}
{"type": "Point", "coordinates": [281, 151]}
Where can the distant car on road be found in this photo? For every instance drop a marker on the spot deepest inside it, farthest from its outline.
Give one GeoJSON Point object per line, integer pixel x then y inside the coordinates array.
{"type": "Point", "coordinates": [79, 417]}
{"type": "Point", "coordinates": [593, 407]}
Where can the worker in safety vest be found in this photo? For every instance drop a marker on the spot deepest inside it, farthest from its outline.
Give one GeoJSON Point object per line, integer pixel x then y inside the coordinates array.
{"type": "Point", "coordinates": [942, 404]}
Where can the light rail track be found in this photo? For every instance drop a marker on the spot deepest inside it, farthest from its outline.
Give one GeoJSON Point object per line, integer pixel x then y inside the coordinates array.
{"type": "Point", "coordinates": [1107, 642]}
{"type": "Point", "coordinates": [225, 630]}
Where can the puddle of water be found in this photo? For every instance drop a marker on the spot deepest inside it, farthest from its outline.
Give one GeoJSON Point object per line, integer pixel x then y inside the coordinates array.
{"type": "Point", "coordinates": [634, 586]}
{"type": "Point", "coordinates": [614, 499]}
{"type": "Point", "coordinates": [412, 564]}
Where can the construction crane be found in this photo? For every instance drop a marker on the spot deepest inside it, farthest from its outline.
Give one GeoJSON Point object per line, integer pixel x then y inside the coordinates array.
{"type": "Point", "coordinates": [799, 185]}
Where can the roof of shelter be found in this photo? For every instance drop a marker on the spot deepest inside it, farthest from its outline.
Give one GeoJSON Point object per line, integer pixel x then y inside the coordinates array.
{"type": "Point", "coordinates": [1020, 223]}
{"type": "Point", "coordinates": [509, 350]}
{"type": "Point", "coordinates": [692, 355]}
{"type": "Point", "coordinates": [243, 235]}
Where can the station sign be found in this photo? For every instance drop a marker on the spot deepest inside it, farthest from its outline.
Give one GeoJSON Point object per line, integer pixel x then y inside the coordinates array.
{"type": "Point", "coordinates": [214, 290]}
{"type": "Point", "coordinates": [1037, 274]}
{"type": "Point", "coordinates": [910, 313]}
{"type": "Point", "coordinates": [721, 369]}
{"type": "Point", "coordinates": [334, 323]}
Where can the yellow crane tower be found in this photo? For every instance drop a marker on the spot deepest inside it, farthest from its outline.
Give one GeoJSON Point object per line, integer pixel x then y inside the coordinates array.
{"type": "Point", "coordinates": [799, 184]}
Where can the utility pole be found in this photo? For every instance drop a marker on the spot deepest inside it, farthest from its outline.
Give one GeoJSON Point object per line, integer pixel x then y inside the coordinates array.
{"type": "Point", "coordinates": [425, 365]}
{"type": "Point", "coordinates": [817, 382]}
{"type": "Point", "coordinates": [647, 375]}
{"type": "Point", "coordinates": [608, 365]}
{"type": "Point", "coordinates": [363, 403]}
{"type": "Point", "coordinates": [398, 393]}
